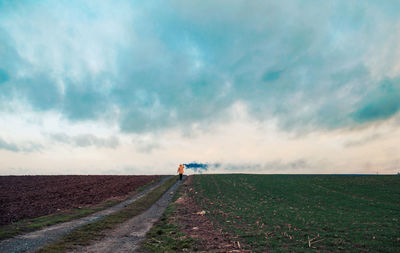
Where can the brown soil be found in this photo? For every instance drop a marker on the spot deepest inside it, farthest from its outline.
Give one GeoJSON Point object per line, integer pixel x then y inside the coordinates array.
{"type": "Point", "coordinates": [33, 196]}
{"type": "Point", "coordinates": [195, 224]}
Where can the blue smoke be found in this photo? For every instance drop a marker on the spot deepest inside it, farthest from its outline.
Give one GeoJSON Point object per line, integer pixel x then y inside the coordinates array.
{"type": "Point", "coordinates": [197, 167]}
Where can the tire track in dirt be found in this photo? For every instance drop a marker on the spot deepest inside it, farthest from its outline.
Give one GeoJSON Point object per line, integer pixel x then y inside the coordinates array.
{"type": "Point", "coordinates": [31, 242]}
{"type": "Point", "coordinates": [128, 236]}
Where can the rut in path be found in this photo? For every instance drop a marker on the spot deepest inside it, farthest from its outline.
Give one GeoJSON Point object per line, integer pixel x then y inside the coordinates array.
{"type": "Point", "coordinates": [31, 242]}
{"type": "Point", "coordinates": [127, 236]}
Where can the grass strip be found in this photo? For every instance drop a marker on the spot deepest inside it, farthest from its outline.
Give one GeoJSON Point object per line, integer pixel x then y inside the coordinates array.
{"type": "Point", "coordinates": [29, 225]}
{"type": "Point", "coordinates": [165, 235]}
{"type": "Point", "coordinates": [83, 235]}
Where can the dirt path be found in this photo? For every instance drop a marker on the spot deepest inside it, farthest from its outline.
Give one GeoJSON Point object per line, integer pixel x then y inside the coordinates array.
{"type": "Point", "coordinates": [33, 241]}
{"type": "Point", "coordinates": [127, 236]}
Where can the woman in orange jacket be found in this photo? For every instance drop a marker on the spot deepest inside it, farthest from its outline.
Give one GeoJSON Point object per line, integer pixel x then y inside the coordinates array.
{"type": "Point", "coordinates": [180, 171]}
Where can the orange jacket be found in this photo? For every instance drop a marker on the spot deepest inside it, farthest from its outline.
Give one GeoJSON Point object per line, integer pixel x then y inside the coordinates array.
{"type": "Point", "coordinates": [180, 169]}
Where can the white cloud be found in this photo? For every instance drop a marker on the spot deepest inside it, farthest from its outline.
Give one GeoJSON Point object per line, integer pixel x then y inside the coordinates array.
{"type": "Point", "coordinates": [242, 145]}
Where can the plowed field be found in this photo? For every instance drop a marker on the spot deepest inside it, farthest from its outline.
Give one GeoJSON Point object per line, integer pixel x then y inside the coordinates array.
{"type": "Point", "coordinates": [33, 196]}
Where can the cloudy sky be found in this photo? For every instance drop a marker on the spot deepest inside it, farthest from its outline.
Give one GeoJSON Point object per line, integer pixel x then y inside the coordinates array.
{"type": "Point", "coordinates": [137, 87]}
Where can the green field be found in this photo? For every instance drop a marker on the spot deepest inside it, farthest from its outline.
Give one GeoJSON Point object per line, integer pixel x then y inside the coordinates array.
{"type": "Point", "coordinates": [302, 213]}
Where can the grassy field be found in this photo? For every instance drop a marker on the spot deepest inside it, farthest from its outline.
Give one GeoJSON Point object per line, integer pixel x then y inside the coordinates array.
{"type": "Point", "coordinates": [303, 213]}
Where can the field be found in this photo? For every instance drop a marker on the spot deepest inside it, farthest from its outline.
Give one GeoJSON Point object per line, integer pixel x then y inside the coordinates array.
{"type": "Point", "coordinates": [227, 213]}
{"type": "Point", "coordinates": [284, 213]}
{"type": "Point", "coordinates": [23, 197]}
{"type": "Point", "coordinates": [291, 212]}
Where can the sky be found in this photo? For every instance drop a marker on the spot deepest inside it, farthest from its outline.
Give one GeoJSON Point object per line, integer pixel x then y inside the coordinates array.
{"type": "Point", "coordinates": [229, 86]}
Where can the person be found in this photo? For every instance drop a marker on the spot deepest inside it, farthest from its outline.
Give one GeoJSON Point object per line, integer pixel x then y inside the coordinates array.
{"type": "Point", "coordinates": [180, 171]}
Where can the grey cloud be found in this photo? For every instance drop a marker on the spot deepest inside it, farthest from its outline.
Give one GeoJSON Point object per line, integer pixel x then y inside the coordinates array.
{"type": "Point", "coordinates": [171, 65]}
{"type": "Point", "coordinates": [23, 147]}
{"type": "Point", "coordinates": [271, 76]}
{"type": "Point", "coordinates": [8, 146]}
{"type": "Point", "coordinates": [86, 140]}
{"type": "Point", "coordinates": [363, 141]}
{"type": "Point", "coordinates": [19, 171]}
{"type": "Point", "coordinates": [3, 76]}
{"type": "Point", "coordinates": [272, 166]}
{"type": "Point", "coordinates": [380, 103]}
